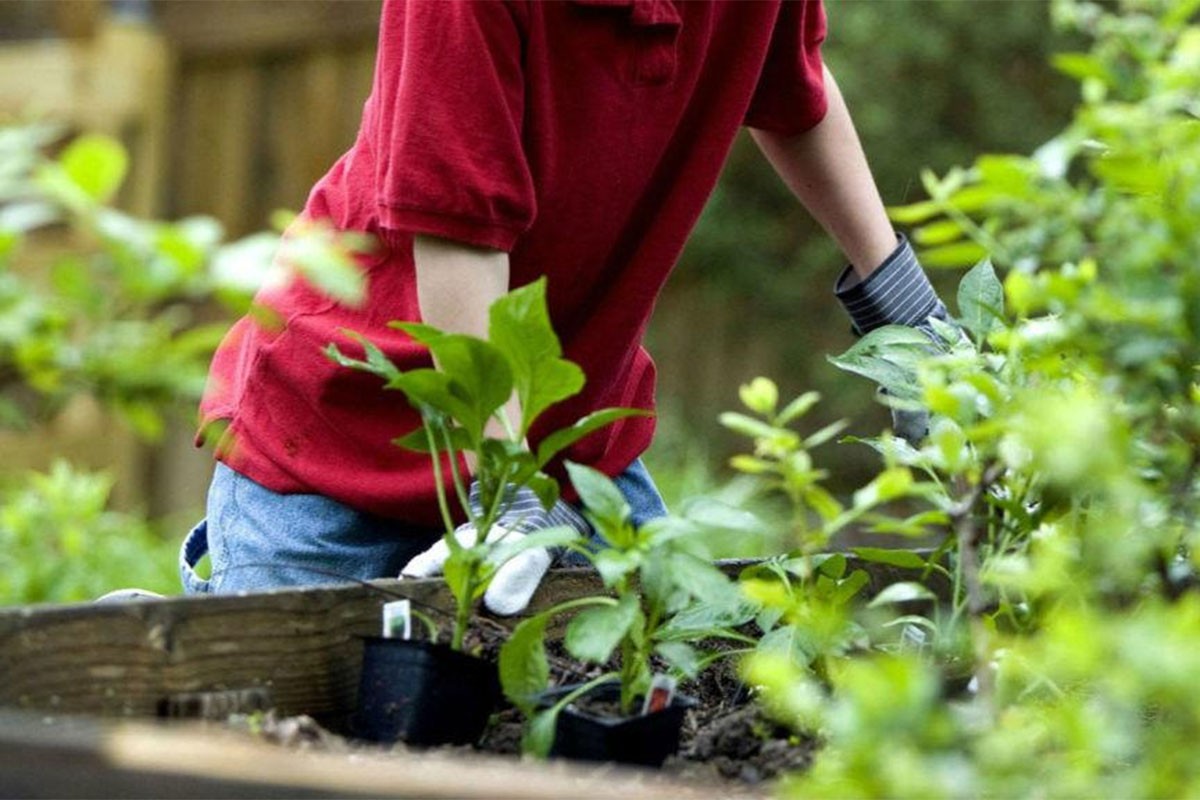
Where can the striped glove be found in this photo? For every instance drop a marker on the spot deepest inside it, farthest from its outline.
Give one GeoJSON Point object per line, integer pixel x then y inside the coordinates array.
{"type": "Point", "coordinates": [897, 293]}
{"type": "Point", "coordinates": [517, 579]}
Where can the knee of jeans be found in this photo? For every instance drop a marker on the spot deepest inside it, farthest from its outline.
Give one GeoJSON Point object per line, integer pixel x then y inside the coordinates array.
{"type": "Point", "coordinates": [640, 492]}
{"type": "Point", "coordinates": [194, 548]}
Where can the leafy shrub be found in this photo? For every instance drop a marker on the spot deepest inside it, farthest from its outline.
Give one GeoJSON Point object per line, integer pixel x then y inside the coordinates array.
{"type": "Point", "coordinates": [96, 302]}
{"type": "Point", "coordinates": [1063, 458]}
{"type": "Point", "coordinates": [59, 542]}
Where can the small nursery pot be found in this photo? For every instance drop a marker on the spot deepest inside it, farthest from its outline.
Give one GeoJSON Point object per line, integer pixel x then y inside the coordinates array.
{"type": "Point", "coordinates": [589, 736]}
{"type": "Point", "coordinates": [423, 693]}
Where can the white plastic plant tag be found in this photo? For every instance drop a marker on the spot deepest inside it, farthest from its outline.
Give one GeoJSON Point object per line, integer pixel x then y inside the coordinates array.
{"type": "Point", "coordinates": [662, 691]}
{"type": "Point", "coordinates": [397, 619]}
{"type": "Point", "coordinates": [912, 638]}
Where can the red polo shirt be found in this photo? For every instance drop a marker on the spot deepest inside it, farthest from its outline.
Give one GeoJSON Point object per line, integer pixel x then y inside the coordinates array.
{"type": "Point", "coordinates": [581, 137]}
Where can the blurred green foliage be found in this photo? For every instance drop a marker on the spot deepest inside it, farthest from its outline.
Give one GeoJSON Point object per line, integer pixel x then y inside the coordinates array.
{"type": "Point", "coordinates": [1063, 463]}
{"type": "Point", "coordinates": [929, 83]}
{"type": "Point", "coordinates": [111, 310]}
{"type": "Point", "coordinates": [95, 302]}
{"type": "Point", "coordinates": [60, 542]}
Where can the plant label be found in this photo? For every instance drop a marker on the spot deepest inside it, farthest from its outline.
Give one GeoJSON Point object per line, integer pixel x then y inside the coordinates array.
{"type": "Point", "coordinates": [658, 698]}
{"type": "Point", "coordinates": [397, 619]}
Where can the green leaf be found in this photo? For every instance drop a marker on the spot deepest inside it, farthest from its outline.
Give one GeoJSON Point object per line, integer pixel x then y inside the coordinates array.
{"type": "Point", "coordinates": [563, 438]}
{"type": "Point", "coordinates": [708, 616]}
{"type": "Point", "coordinates": [955, 255]}
{"type": "Point", "coordinates": [97, 164]}
{"type": "Point", "coordinates": [1082, 66]}
{"type": "Point", "coordinates": [832, 565]}
{"type": "Point", "coordinates": [479, 383]}
{"type": "Point", "coordinates": [524, 671]}
{"type": "Point", "coordinates": [889, 337]}
{"type": "Point", "coordinates": [798, 407]}
{"type": "Point", "coordinates": [681, 656]}
{"type": "Point", "coordinates": [614, 564]}
{"type": "Point", "coordinates": [419, 332]}
{"type": "Point", "coordinates": [885, 555]}
{"type": "Point", "coordinates": [760, 396]}
{"type": "Point", "coordinates": [375, 362]}
{"type": "Point", "coordinates": [889, 357]}
{"type": "Point", "coordinates": [602, 500]}
{"type": "Point", "coordinates": [458, 572]}
{"type": "Point", "coordinates": [328, 259]}
{"type": "Point", "coordinates": [789, 643]}
{"type": "Point", "coordinates": [540, 732]}
{"type": "Point", "coordinates": [698, 577]}
{"type": "Point", "coordinates": [595, 632]}
{"type": "Point", "coordinates": [519, 327]}
{"type": "Point", "coordinates": [847, 589]}
{"type": "Point", "coordinates": [749, 426]}
{"type": "Point", "coordinates": [713, 515]}
{"type": "Point", "coordinates": [825, 434]}
{"type": "Point", "coordinates": [892, 483]}
{"type": "Point", "coordinates": [418, 442]}
{"type": "Point", "coordinates": [937, 233]}
{"type": "Point", "coordinates": [432, 394]}
{"type": "Point", "coordinates": [545, 487]}
{"type": "Point", "coordinates": [917, 525]}
{"type": "Point", "coordinates": [980, 299]}
{"type": "Point", "coordinates": [905, 592]}
{"type": "Point", "coordinates": [915, 213]}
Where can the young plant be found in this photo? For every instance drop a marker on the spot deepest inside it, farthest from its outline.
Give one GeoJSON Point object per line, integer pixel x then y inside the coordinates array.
{"type": "Point", "coordinates": [666, 593]}
{"type": "Point", "coordinates": [1063, 452]}
{"type": "Point", "coordinates": [807, 595]}
{"type": "Point", "coordinates": [470, 385]}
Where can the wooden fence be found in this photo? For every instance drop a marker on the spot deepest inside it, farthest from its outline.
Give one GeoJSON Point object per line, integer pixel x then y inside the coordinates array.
{"type": "Point", "coordinates": [230, 108]}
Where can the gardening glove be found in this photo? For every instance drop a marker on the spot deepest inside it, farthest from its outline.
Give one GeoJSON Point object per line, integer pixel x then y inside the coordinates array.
{"type": "Point", "coordinates": [516, 579]}
{"type": "Point", "coordinates": [898, 292]}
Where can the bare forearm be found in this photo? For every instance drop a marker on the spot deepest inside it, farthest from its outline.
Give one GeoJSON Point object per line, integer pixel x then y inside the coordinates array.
{"type": "Point", "coordinates": [456, 285]}
{"type": "Point", "coordinates": [827, 171]}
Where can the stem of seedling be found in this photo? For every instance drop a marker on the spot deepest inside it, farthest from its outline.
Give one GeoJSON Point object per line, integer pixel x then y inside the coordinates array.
{"type": "Point", "coordinates": [443, 506]}
{"type": "Point", "coordinates": [967, 535]}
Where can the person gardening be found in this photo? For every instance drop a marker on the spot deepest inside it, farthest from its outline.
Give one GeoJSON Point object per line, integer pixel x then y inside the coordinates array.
{"type": "Point", "coordinates": [504, 141]}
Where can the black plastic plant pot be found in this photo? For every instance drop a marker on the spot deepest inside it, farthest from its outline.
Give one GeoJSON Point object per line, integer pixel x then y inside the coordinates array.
{"type": "Point", "coordinates": [590, 736]}
{"type": "Point", "coordinates": [423, 693]}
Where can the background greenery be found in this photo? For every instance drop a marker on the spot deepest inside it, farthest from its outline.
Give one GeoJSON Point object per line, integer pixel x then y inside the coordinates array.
{"type": "Point", "coordinates": [929, 81]}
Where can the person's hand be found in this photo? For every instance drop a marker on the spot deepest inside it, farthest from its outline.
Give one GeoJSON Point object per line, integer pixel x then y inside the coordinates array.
{"type": "Point", "coordinates": [517, 579]}
{"type": "Point", "coordinates": [898, 292]}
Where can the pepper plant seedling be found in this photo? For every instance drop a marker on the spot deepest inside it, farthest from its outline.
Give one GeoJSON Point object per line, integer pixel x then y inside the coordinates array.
{"type": "Point", "coordinates": [666, 593]}
{"type": "Point", "coordinates": [472, 381]}
{"type": "Point", "coordinates": [806, 596]}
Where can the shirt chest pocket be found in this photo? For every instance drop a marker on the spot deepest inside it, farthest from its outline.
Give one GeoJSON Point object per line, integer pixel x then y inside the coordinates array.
{"type": "Point", "coordinates": [648, 31]}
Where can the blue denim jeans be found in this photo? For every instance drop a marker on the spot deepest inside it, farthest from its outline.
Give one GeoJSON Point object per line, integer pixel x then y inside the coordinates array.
{"type": "Point", "coordinates": [258, 539]}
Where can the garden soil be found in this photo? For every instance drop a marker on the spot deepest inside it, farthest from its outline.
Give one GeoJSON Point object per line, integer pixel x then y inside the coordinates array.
{"type": "Point", "coordinates": [725, 738]}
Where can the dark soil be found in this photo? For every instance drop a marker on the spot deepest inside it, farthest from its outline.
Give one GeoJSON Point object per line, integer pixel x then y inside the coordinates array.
{"type": "Point", "coordinates": [725, 738]}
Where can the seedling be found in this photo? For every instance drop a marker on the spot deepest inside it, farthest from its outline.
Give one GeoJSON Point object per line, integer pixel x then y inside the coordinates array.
{"type": "Point", "coordinates": [666, 593]}
{"type": "Point", "coordinates": [471, 383]}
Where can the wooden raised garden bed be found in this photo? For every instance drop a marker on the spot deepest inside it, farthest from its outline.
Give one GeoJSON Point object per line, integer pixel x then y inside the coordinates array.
{"type": "Point", "coordinates": [103, 700]}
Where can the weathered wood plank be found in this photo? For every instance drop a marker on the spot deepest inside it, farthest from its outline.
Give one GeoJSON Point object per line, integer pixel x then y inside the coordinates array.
{"type": "Point", "coordinates": [82, 758]}
{"type": "Point", "coordinates": [127, 659]}
{"type": "Point", "coordinates": [298, 649]}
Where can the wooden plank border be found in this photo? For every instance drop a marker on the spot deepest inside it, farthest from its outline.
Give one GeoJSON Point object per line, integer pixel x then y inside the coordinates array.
{"type": "Point", "coordinates": [94, 758]}
{"type": "Point", "coordinates": [296, 650]}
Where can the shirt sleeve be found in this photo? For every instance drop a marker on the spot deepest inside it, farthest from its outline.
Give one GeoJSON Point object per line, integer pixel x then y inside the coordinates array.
{"type": "Point", "coordinates": [790, 96]}
{"type": "Point", "coordinates": [448, 135]}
